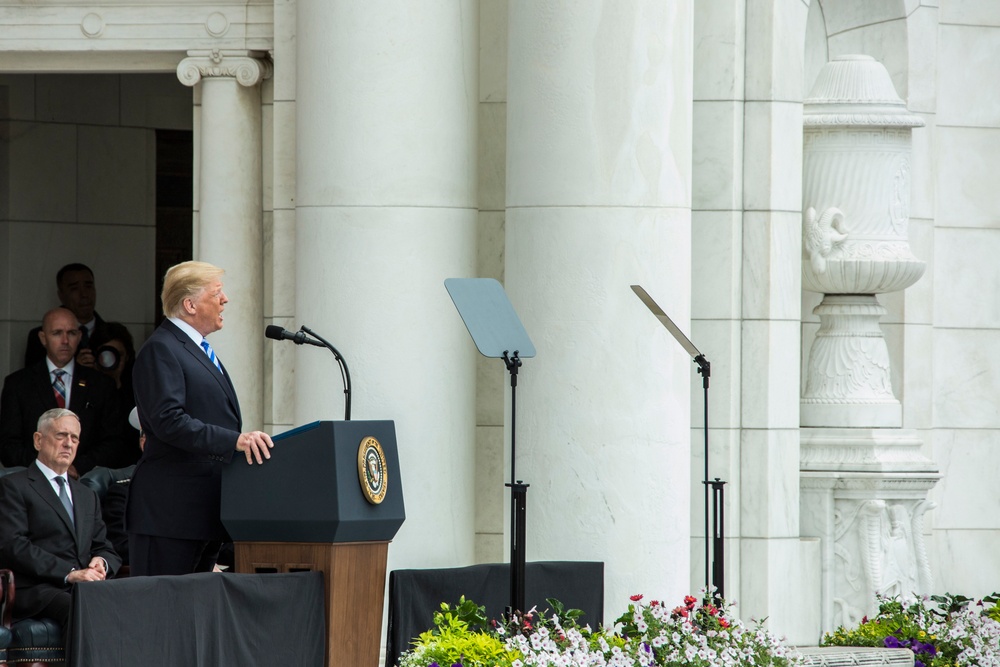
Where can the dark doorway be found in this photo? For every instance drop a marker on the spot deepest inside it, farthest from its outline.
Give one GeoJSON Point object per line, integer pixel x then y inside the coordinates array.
{"type": "Point", "coordinates": [174, 203]}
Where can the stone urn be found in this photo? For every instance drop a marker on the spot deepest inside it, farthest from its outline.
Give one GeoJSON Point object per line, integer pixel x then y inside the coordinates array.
{"type": "Point", "coordinates": [855, 199]}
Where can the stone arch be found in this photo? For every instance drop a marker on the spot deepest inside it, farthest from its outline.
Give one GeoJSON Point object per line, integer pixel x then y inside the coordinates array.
{"type": "Point", "coordinates": [877, 29]}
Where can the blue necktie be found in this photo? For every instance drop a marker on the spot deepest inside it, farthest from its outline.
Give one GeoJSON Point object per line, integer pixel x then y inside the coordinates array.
{"type": "Point", "coordinates": [211, 354]}
{"type": "Point", "coordinates": [64, 498]}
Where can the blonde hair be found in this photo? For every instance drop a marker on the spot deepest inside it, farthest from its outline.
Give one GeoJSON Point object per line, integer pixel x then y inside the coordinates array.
{"type": "Point", "coordinates": [186, 281]}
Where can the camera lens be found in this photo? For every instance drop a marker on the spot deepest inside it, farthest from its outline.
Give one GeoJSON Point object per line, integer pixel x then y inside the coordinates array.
{"type": "Point", "coordinates": [107, 357]}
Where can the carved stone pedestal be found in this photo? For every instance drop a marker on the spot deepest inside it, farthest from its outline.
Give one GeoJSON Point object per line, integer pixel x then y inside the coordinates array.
{"type": "Point", "coordinates": [847, 381]}
{"type": "Point", "coordinates": [864, 493]}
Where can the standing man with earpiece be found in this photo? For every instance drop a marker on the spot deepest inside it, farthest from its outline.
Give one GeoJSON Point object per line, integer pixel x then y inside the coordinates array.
{"type": "Point", "coordinates": [191, 418]}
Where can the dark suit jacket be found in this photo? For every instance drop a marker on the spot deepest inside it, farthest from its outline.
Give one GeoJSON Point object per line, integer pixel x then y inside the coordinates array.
{"type": "Point", "coordinates": [35, 352]}
{"type": "Point", "coordinates": [192, 421]}
{"type": "Point", "coordinates": [113, 513]}
{"type": "Point", "coordinates": [38, 542]}
{"type": "Point", "coordinates": [27, 393]}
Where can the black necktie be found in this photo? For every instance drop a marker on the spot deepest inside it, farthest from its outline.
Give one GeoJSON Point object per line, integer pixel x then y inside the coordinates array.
{"type": "Point", "coordinates": [84, 336]}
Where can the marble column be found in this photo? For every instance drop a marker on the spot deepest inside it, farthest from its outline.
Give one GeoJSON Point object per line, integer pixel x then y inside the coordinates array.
{"type": "Point", "coordinates": [229, 229]}
{"type": "Point", "coordinates": [598, 198]}
{"type": "Point", "coordinates": [778, 571]}
{"type": "Point", "coordinates": [385, 212]}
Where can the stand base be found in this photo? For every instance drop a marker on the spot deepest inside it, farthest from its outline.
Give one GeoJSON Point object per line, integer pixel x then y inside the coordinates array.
{"type": "Point", "coordinates": [354, 589]}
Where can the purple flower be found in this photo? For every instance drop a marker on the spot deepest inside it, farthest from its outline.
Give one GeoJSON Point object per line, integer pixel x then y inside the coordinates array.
{"type": "Point", "coordinates": [917, 663]}
{"type": "Point", "coordinates": [892, 642]}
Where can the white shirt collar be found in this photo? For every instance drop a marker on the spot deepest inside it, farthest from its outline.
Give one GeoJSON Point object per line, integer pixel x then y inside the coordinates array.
{"type": "Point", "coordinates": [49, 473]}
{"type": "Point", "coordinates": [69, 367]}
{"type": "Point", "coordinates": [188, 329]}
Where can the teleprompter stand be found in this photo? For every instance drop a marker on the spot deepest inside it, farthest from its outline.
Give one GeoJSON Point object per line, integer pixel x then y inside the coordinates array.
{"type": "Point", "coordinates": [499, 334]}
{"type": "Point", "coordinates": [717, 490]}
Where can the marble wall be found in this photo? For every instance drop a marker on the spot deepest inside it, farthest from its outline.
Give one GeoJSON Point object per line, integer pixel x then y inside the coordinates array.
{"type": "Point", "coordinates": [964, 363]}
{"type": "Point", "coordinates": [492, 519]}
{"type": "Point", "coordinates": [77, 158]}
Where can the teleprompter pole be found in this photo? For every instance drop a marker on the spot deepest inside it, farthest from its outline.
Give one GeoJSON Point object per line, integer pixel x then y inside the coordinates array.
{"type": "Point", "coordinates": [518, 498]}
{"type": "Point", "coordinates": [705, 370]}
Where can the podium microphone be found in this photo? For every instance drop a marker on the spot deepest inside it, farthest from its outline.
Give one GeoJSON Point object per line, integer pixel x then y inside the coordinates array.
{"type": "Point", "coordinates": [299, 337]}
{"type": "Point", "coordinates": [275, 332]}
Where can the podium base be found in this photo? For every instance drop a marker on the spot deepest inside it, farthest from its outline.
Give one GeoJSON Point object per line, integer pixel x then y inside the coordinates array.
{"type": "Point", "coordinates": [354, 589]}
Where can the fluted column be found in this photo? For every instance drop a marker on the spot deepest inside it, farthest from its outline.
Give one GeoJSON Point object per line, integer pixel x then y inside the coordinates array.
{"type": "Point", "coordinates": [598, 198]}
{"type": "Point", "coordinates": [385, 212]}
{"type": "Point", "coordinates": [228, 157]}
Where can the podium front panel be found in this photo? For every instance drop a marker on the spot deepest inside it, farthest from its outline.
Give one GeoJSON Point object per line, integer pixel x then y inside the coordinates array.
{"type": "Point", "coordinates": [310, 489]}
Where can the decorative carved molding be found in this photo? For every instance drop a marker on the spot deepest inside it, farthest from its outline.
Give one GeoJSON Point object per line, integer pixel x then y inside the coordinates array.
{"type": "Point", "coordinates": [920, 546]}
{"type": "Point", "coordinates": [878, 549]}
{"type": "Point", "coordinates": [247, 67]}
{"type": "Point", "coordinates": [864, 494]}
{"type": "Point", "coordinates": [822, 234]}
{"type": "Point", "coordinates": [899, 204]}
{"type": "Point", "coordinates": [216, 24]}
{"type": "Point", "coordinates": [849, 360]}
{"type": "Point", "coordinates": [917, 486]}
{"type": "Point", "coordinates": [856, 90]}
{"type": "Point", "coordinates": [855, 119]}
{"type": "Point", "coordinates": [92, 25]}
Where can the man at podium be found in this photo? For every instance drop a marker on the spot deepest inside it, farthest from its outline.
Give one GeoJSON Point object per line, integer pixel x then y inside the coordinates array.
{"type": "Point", "coordinates": [193, 426]}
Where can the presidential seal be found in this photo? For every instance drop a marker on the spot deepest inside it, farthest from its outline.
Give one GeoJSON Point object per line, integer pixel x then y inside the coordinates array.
{"type": "Point", "coordinates": [371, 470]}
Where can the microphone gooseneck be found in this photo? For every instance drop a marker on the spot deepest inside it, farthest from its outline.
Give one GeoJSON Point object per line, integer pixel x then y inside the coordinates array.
{"type": "Point", "coordinates": [275, 332]}
{"type": "Point", "coordinates": [345, 374]}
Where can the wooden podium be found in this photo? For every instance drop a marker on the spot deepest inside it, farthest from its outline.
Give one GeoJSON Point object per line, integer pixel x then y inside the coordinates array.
{"type": "Point", "coordinates": [328, 500]}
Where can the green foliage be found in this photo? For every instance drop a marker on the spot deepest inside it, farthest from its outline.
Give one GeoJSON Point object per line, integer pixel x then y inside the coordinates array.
{"type": "Point", "coordinates": [458, 636]}
{"type": "Point", "coordinates": [942, 631]}
{"type": "Point", "coordinates": [690, 635]}
{"type": "Point", "coordinates": [993, 610]}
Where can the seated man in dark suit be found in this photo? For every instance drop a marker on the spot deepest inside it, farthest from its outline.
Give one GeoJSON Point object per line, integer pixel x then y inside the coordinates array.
{"type": "Point", "coordinates": [59, 381]}
{"type": "Point", "coordinates": [51, 532]}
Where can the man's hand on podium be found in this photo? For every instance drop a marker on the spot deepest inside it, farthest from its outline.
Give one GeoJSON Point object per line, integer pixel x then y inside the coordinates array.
{"type": "Point", "coordinates": [256, 445]}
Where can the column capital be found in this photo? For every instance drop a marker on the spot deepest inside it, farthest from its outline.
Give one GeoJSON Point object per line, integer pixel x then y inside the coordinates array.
{"type": "Point", "coordinates": [248, 67]}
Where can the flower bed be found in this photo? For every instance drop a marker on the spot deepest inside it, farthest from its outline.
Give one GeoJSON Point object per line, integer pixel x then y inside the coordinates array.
{"type": "Point", "coordinates": [691, 634]}
{"type": "Point", "coordinates": [942, 631]}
